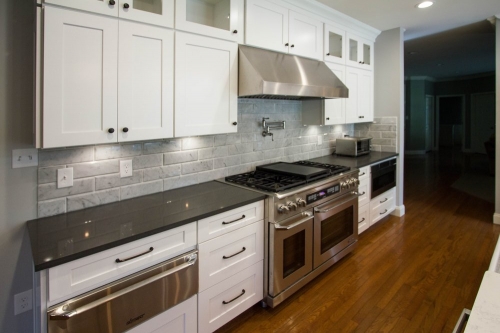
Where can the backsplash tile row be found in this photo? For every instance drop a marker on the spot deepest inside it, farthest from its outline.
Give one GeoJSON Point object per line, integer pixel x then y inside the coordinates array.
{"type": "Point", "coordinates": [384, 132]}
{"type": "Point", "coordinates": [167, 164]}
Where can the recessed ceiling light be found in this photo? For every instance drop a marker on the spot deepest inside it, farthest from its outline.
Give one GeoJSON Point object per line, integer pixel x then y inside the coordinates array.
{"type": "Point", "coordinates": [425, 4]}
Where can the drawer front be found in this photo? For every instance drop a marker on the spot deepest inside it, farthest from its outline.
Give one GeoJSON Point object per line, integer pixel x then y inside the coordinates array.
{"type": "Point", "coordinates": [228, 254]}
{"type": "Point", "coordinates": [382, 206]}
{"type": "Point", "coordinates": [363, 218]}
{"type": "Point", "coordinates": [223, 223]}
{"type": "Point", "coordinates": [87, 273]}
{"type": "Point", "coordinates": [364, 173]}
{"type": "Point", "coordinates": [179, 319]}
{"type": "Point", "coordinates": [364, 192]}
{"type": "Point", "coordinates": [239, 292]}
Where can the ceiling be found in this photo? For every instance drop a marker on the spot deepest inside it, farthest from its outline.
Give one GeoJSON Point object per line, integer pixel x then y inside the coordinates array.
{"type": "Point", "coordinates": [451, 38]}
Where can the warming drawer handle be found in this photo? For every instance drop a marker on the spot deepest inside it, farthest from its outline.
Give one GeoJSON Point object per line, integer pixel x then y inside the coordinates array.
{"type": "Point", "coordinates": [293, 225]}
{"type": "Point", "coordinates": [118, 260]}
{"type": "Point", "coordinates": [242, 250]}
{"type": "Point", "coordinates": [234, 299]}
{"type": "Point", "coordinates": [241, 218]}
{"type": "Point", "coordinates": [65, 315]}
{"type": "Point", "coordinates": [384, 200]}
{"type": "Point", "coordinates": [336, 204]}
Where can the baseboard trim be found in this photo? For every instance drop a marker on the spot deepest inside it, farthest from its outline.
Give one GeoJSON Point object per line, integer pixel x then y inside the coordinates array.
{"type": "Point", "coordinates": [400, 211]}
{"type": "Point", "coordinates": [415, 152]}
{"type": "Point", "coordinates": [496, 218]}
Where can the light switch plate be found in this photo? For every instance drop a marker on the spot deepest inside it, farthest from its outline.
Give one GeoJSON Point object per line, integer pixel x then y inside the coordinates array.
{"type": "Point", "coordinates": [64, 177]}
{"type": "Point", "coordinates": [126, 168]}
{"type": "Point", "coordinates": [23, 158]}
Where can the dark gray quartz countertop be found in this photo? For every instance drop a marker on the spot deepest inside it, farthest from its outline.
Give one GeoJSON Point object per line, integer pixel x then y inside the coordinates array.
{"type": "Point", "coordinates": [62, 238]}
{"type": "Point", "coordinates": [356, 162]}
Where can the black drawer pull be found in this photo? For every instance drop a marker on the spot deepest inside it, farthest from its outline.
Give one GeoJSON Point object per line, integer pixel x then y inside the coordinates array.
{"type": "Point", "coordinates": [241, 218]}
{"type": "Point", "coordinates": [384, 200]}
{"type": "Point", "coordinates": [362, 174]}
{"type": "Point", "coordinates": [362, 193]}
{"type": "Point", "coordinates": [385, 211]}
{"type": "Point", "coordinates": [242, 250]}
{"type": "Point", "coordinates": [362, 220]}
{"type": "Point", "coordinates": [118, 260]}
{"type": "Point", "coordinates": [234, 299]}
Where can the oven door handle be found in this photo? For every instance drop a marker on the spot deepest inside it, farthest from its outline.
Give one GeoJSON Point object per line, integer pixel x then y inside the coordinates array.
{"type": "Point", "coordinates": [354, 195]}
{"type": "Point", "coordinates": [191, 259]}
{"type": "Point", "coordinates": [293, 225]}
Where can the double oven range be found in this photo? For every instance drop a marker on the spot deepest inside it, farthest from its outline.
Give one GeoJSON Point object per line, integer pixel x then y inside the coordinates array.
{"type": "Point", "coordinates": [312, 221]}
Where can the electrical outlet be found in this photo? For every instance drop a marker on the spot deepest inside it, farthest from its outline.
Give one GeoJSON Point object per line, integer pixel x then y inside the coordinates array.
{"type": "Point", "coordinates": [64, 177]}
{"type": "Point", "coordinates": [126, 168]}
{"type": "Point", "coordinates": [23, 302]}
{"type": "Point", "coordinates": [22, 158]}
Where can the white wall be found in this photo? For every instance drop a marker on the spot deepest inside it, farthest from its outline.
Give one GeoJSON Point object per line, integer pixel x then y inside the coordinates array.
{"type": "Point", "coordinates": [17, 187]}
{"type": "Point", "coordinates": [389, 93]}
{"type": "Point", "coordinates": [496, 217]}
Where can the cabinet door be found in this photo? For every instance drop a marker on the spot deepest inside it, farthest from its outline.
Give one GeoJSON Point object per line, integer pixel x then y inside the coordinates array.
{"type": "Point", "coordinates": [334, 45]}
{"type": "Point", "coordinates": [104, 7]}
{"type": "Point", "coordinates": [80, 76]}
{"type": "Point", "coordinates": [146, 82]}
{"type": "Point", "coordinates": [352, 103]}
{"type": "Point", "coordinates": [216, 18]}
{"type": "Point", "coordinates": [206, 85]}
{"type": "Point", "coordinates": [157, 12]}
{"type": "Point", "coordinates": [360, 52]}
{"type": "Point", "coordinates": [365, 96]}
{"type": "Point", "coordinates": [306, 36]}
{"type": "Point", "coordinates": [266, 25]}
{"type": "Point", "coordinates": [335, 108]}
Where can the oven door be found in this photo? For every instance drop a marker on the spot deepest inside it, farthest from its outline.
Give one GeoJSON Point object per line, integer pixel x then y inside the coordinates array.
{"type": "Point", "coordinates": [290, 251]}
{"type": "Point", "coordinates": [335, 227]}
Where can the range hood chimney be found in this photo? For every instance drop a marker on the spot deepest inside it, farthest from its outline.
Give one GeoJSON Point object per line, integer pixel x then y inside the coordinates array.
{"type": "Point", "coordinates": [272, 75]}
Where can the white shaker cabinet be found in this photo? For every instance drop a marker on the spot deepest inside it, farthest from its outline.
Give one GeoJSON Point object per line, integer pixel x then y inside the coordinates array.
{"type": "Point", "coordinates": [146, 82]}
{"type": "Point", "coordinates": [157, 12]}
{"type": "Point", "coordinates": [359, 105]}
{"type": "Point", "coordinates": [222, 19]}
{"type": "Point", "coordinates": [334, 45]}
{"type": "Point", "coordinates": [206, 85]}
{"type": "Point", "coordinates": [305, 36]}
{"type": "Point", "coordinates": [104, 7]}
{"type": "Point", "coordinates": [80, 78]}
{"type": "Point", "coordinates": [360, 52]}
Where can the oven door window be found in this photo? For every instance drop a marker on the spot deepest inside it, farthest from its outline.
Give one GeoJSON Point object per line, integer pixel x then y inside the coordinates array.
{"type": "Point", "coordinates": [294, 253]}
{"type": "Point", "coordinates": [383, 182]}
{"type": "Point", "coordinates": [336, 228]}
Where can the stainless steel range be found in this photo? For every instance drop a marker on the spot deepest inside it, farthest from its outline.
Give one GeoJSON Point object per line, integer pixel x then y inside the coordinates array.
{"type": "Point", "coordinates": [312, 215]}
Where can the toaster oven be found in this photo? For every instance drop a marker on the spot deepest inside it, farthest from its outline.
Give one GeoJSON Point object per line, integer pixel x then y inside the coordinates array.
{"type": "Point", "coordinates": [353, 146]}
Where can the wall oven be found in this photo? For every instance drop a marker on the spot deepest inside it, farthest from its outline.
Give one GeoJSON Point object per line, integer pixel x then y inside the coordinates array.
{"type": "Point", "coordinates": [383, 177]}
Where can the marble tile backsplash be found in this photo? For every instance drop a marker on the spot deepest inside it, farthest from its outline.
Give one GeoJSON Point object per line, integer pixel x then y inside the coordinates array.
{"type": "Point", "coordinates": [171, 163]}
{"type": "Point", "coordinates": [384, 132]}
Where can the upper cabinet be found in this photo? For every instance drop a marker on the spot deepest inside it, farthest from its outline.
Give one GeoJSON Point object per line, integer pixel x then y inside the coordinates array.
{"type": "Point", "coordinates": [206, 85]}
{"type": "Point", "coordinates": [157, 12]}
{"type": "Point", "coordinates": [334, 45]}
{"type": "Point", "coordinates": [222, 19]}
{"type": "Point", "coordinates": [360, 52]}
{"type": "Point", "coordinates": [278, 28]}
{"type": "Point", "coordinates": [359, 105]}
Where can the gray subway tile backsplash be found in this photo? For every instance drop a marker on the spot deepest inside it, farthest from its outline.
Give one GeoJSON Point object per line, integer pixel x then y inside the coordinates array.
{"type": "Point", "coordinates": [160, 165]}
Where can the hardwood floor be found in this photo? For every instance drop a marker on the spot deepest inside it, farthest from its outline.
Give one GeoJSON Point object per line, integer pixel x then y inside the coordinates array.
{"type": "Point", "coordinates": [409, 274]}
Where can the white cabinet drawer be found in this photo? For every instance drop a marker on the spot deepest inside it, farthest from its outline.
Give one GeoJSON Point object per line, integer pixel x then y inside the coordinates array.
{"type": "Point", "coordinates": [226, 300]}
{"type": "Point", "coordinates": [363, 218]}
{"type": "Point", "coordinates": [87, 273]}
{"type": "Point", "coordinates": [364, 192]}
{"type": "Point", "coordinates": [364, 173]}
{"type": "Point", "coordinates": [179, 319]}
{"type": "Point", "coordinates": [223, 223]}
{"type": "Point", "coordinates": [226, 255]}
{"type": "Point", "coordinates": [382, 205]}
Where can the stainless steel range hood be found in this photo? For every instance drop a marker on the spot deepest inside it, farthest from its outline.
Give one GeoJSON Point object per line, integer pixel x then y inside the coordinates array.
{"type": "Point", "coordinates": [272, 75]}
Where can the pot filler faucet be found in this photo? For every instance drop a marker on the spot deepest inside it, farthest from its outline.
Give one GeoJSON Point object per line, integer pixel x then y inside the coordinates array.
{"type": "Point", "coordinates": [274, 125]}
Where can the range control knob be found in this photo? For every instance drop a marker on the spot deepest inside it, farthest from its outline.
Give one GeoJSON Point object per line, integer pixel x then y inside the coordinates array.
{"type": "Point", "coordinates": [301, 202]}
{"type": "Point", "coordinates": [343, 185]}
{"type": "Point", "coordinates": [291, 205]}
{"type": "Point", "coordinates": [282, 209]}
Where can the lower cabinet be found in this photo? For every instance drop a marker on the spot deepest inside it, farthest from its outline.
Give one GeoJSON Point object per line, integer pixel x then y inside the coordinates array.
{"type": "Point", "coordinates": [363, 218]}
{"type": "Point", "coordinates": [382, 205]}
{"type": "Point", "coordinates": [179, 319]}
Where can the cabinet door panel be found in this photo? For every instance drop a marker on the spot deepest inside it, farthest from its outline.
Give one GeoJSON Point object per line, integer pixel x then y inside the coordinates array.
{"type": "Point", "coordinates": [335, 108]}
{"type": "Point", "coordinates": [306, 36]}
{"type": "Point", "coordinates": [266, 25]}
{"type": "Point", "coordinates": [146, 82]}
{"type": "Point", "coordinates": [352, 103]}
{"type": "Point", "coordinates": [80, 74]}
{"type": "Point", "coordinates": [365, 95]}
{"type": "Point", "coordinates": [334, 45]}
{"type": "Point", "coordinates": [96, 6]}
{"type": "Point", "coordinates": [157, 12]}
{"type": "Point", "coordinates": [206, 85]}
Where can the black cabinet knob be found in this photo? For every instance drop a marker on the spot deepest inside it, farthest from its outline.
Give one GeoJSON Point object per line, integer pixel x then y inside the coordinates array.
{"type": "Point", "coordinates": [286, 44]}
{"type": "Point", "coordinates": [235, 31]}
{"type": "Point", "coordinates": [126, 5]}
{"type": "Point", "coordinates": [235, 123]}
{"type": "Point", "coordinates": [112, 2]}
{"type": "Point", "coordinates": [125, 129]}
{"type": "Point", "coordinates": [328, 54]}
{"type": "Point", "coordinates": [111, 130]}
{"type": "Point", "coordinates": [327, 118]}
{"type": "Point", "coordinates": [361, 116]}
{"type": "Point", "coordinates": [292, 45]}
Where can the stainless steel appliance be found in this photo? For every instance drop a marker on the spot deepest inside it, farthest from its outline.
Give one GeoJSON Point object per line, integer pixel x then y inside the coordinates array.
{"type": "Point", "coordinates": [383, 177]}
{"type": "Point", "coordinates": [128, 302]}
{"type": "Point", "coordinates": [312, 214]}
{"type": "Point", "coordinates": [353, 146]}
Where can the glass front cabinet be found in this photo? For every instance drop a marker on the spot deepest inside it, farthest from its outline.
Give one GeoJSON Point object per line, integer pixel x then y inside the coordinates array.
{"type": "Point", "coordinates": [222, 19]}
{"type": "Point", "coordinates": [360, 52]}
{"type": "Point", "coordinates": [334, 45]}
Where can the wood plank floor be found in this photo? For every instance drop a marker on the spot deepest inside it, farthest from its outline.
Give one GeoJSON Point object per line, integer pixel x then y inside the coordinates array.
{"type": "Point", "coordinates": [409, 274]}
